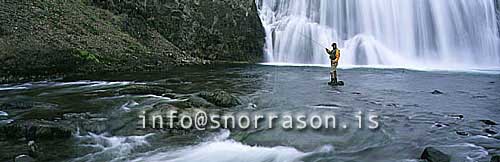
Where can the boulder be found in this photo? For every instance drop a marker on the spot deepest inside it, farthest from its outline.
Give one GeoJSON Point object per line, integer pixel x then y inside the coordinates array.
{"type": "Point", "coordinates": [432, 154]}
{"type": "Point", "coordinates": [220, 98]}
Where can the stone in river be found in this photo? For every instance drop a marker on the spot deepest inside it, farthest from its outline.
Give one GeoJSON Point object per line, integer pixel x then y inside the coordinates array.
{"type": "Point", "coordinates": [436, 92]}
{"type": "Point", "coordinates": [490, 131]}
{"type": "Point", "coordinates": [462, 133]}
{"type": "Point", "coordinates": [36, 129]}
{"type": "Point", "coordinates": [220, 98]}
{"type": "Point", "coordinates": [457, 116]}
{"type": "Point", "coordinates": [488, 122]}
{"type": "Point", "coordinates": [432, 154]}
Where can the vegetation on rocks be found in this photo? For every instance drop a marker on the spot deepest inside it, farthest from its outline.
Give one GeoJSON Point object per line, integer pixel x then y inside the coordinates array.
{"type": "Point", "coordinates": [80, 36]}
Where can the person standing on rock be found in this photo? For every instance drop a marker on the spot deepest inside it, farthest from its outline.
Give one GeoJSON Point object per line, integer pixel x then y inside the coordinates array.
{"type": "Point", "coordinates": [334, 60]}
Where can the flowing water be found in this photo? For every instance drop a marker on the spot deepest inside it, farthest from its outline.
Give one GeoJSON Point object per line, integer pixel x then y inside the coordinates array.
{"type": "Point", "coordinates": [444, 34]}
{"type": "Point", "coordinates": [411, 117]}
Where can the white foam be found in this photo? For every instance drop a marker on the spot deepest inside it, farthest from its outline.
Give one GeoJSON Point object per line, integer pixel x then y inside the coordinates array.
{"type": "Point", "coordinates": [3, 113]}
{"type": "Point", "coordinates": [221, 149]}
{"type": "Point", "coordinates": [113, 147]}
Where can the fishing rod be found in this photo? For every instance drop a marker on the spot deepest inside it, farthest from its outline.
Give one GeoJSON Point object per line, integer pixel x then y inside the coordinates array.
{"type": "Point", "coordinates": [314, 41]}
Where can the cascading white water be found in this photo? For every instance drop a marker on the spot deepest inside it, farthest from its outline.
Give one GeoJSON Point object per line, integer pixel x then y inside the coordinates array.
{"type": "Point", "coordinates": [417, 33]}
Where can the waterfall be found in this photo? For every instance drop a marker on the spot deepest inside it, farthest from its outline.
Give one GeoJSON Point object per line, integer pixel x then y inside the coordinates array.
{"type": "Point", "coordinates": [417, 33]}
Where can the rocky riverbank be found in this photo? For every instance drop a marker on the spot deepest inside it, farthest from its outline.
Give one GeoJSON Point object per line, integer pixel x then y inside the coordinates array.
{"type": "Point", "coordinates": [44, 38]}
{"type": "Point", "coordinates": [29, 127]}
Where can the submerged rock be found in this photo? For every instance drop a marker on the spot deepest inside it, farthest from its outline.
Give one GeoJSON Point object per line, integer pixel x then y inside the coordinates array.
{"type": "Point", "coordinates": [144, 90]}
{"type": "Point", "coordinates": [24, 158]}
{"type": "Point", "coordinates": [36, 129]}
{"type": "Point", "coordinates": [462, 133]}
{"type": "Point", "coordinates": [495, 158]}
{"type": "Point", "coordinates": [220, 98]}
{"type": "Point", "coordinates": [436, 92]}
{"type": "Point", "coordinates": [432, 154]}
{"type": "Point", "coordinates": [26, 109]}
{"type": "Point", "coordinates": [173, 81]}
{"type": "Point", "coordinates": [26, 105]}
{"type": "Point", "coordinates": [195, 101]}
{"type": "Point", "coordinates": [490, 131]}
{"type": "Point", "coordinates": [456, 116]}
{"type": "Point", "coordinates": [488, 122]}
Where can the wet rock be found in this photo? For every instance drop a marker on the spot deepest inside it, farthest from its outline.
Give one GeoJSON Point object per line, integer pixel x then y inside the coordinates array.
{"type": "Point", "coordinates": [432, 154]}
{"type": "Point", "coordinates": [196, 101]}
{"type": "Point", "coordinates": [220, 98]}
{"type": "Point", "coordinates": [497, 136]}
{"type": "Point", "coordinates": [76, 116]}
{"type": "Point", "coordinates": [495, 158]}
{"type": "Point", "coordinates": [26, 105]}
{"type": "Point", "coordinates": [488, 122]}
{"type": "Point", "coordinates": [24, 158]}
{"type": "Point", "coordinates": [86, 122]}
{"type": "Point", "coordinates": [36, 129]}
{"type": "Point", "coordinates": [395, 105]}
{"type": "Point", "coordinates": [173, 80]}
{"type": "Point", "coordinates": [144, 90]}
{"type": "Point", "coordinates": [439, 125]}
{"type": "Point", "coordinates": [25, 109]}
{"type": "Point", "coordinates": [456, 116]}
{"type": "Point", "coordinates": [328, 105]}
{"type": "Point", "coordinates": [490, 131]}
{"type": "Point", "coordinates": [192, 101]}
{"type": "Point", "coordinates": [437, 92]}
{"type": "Point", "coordinates": [479, 96]}
{"type": "Point", "coordinates": [462, 133]}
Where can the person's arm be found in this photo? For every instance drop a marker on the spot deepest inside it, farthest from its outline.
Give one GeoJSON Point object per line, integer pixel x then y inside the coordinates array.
{"type": "Point", "coordinates": [337, 56]}
{"type": "Point", "coordinates": [327, 51]}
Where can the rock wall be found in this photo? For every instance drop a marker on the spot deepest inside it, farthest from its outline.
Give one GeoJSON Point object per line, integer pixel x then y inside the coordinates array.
{"type": "Point", "coordinates": [57, 37]}
{"type": "Point", "coordinates": [228, 30]}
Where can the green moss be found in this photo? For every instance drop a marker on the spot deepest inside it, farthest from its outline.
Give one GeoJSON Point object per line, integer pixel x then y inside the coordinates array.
{"type": "Point", "coordinates": [87, 56]}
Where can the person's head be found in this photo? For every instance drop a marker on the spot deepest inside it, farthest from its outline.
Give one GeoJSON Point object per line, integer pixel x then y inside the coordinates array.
{"type": "Point", "coordinates": [334, 45]}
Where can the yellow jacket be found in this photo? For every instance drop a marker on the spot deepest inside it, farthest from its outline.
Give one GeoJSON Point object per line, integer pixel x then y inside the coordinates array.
{"type": "Point", "coordinates": [337, 54]}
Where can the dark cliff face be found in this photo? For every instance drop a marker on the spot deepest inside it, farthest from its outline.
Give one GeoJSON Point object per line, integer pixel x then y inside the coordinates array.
{"type": "Point", "coordinates": [228, 30]}
{"type": "Point", "coordinates": [57, 37]}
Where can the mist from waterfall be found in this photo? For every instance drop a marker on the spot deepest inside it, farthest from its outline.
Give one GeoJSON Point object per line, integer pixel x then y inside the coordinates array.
{"type": "Point", "coordinates": [418, 33]}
